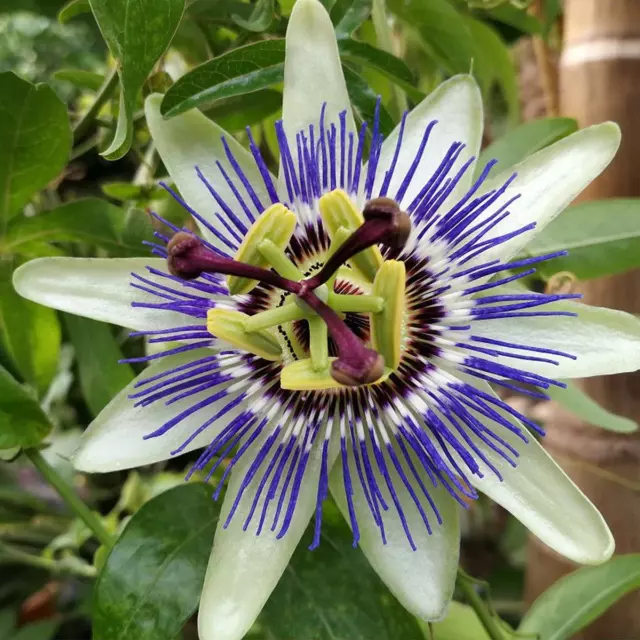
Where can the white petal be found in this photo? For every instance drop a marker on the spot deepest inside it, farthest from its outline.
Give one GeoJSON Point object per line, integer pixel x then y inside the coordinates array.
{"type": "Point", "coordinates": [114, 440]}
{"type": "Point", "coordinates": [312, 73]}
{"type": "Point", "coordinates": [545, 500]}
{"type": "Point", "coordinates": [97, 288]}
{"type": "Point", "coordinates": [244, 568]}
{"type": "Point", "coordinates": [548, 181]}
{"type": "Point", "coordinates": [191, 140]}
{"type": "Point", "coordinates": [422, 580]}
{"type": "Point", "coordinates": [604, 341]}
{"type": "Point", "coordinates": [457, 106]}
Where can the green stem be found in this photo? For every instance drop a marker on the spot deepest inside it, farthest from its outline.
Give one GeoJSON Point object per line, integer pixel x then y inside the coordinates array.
{"type": "Point", "coordinates": [318, 343]}
{"type": "Point", "coordinates": [279, 260]}
{"type": "Point", "coordinates": [71, 498]}
{"type": "Point", "coordinates": [274, 317]}
{"type": "Point", "coordinates": [104, 93]}
{"type": "Point", "coordinates": [485, 616]}
{"type": "Point", "coordinates": [13, 554]}
{"type": "Point", "coordinates": [355, 304]}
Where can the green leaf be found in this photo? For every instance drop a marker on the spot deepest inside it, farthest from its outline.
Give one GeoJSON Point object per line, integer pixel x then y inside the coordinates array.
{"type": "Point", "coordinates": [517, 18]}
{"type": "Point", "coordinates": [8, 619]}
{"type": "Point", "coordinates": [72, 9]}
{"type": "Point", "coordinates": [80, 78]}
{"type": "Point", "coordinates": [552, 11]}
{"type": "Point", "coordinates": [45, 630]}
{"type": "Point", "coordinates": [579, 598]}
{"type": "Point", "coordinates": [35, 141]}
{"type": "Point", "coordinates": [494, 64]}
{"type": "Point", "coordinates": [98, 355]}
{"type": "Point", "coordinates": [364, 99]}
{"type": "Point", "coordinates": [580, 404]}
{"type": "Point", "coordinates": [259, 19]}
{"type": "Point", "coordinates": [355, 15]}
{"type": "Point", "coordinates": [41, 7]}
{"type": "Point", "coordinates": [151, 582]}
{"type": "Point", "coordinates": [137, 33]}
{"type": "Point", "coordinates": [92, 220]}
{"type": "Point", "coordinates": [243, 70]}
{"type": "Point", "coordinates": [22, 421]}
{"type": "Point", "coordinates": [525, 140]}
{"type": "Point", "coordinates": [601, 236]}
{"type": "Point", "coordinates": [443, 31]}
{"type": "Point", "coordinates": [239, 112]}
{"type": "Point", "coordinates": [219, 11]}
{"type": "Point", "coordinates": [124, 191]}
{"type": "Point", "coordinates": [334, 593]}
{"type": "Point", "coordinates": [29, 334]}
{"type": "Point", "coordinates": [388, 65]}
{"type": "Point", "coordinates": [461, 623]}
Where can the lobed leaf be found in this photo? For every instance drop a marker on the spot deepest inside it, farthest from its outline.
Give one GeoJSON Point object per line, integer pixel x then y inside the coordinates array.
{"type": "Point", "coordinates": [443, 31]}
{"type": "Point", "coordinates": [97, 353]}
{"type": "Point", "coordinates": [580, 404]}
{"type": "Point", "coordinates": [240, 71]}
{"type": "Point", "coordinates": [90, 220]}
{"type": "Point", "coordinates": [364, 99]}
{"type": "Point", "coordinates": [22, 421]}
{"type": "Point", "coordinates": [29, 334]}
{"type": "Point", "coordinates": [601, 236]}
{"type": "Point", "coordinates": [334, 593]}
{"type": "Point", "coordinates": [387, 64]}
{"type": "Point", "coordinates": [137, 33]}
{"type": "Point", "coordinates": [524, 140]}
{"type": "Point", "coordinates": [151, 581]}
{"type": "Point", "coordinates": [35, 141]}
{"type": "Point", "coordinates": [574, 601]}
{"type": "Point", "coordinates": [355, 15]}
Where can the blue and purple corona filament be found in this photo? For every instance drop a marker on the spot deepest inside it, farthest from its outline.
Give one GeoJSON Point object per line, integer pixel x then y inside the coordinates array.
{"type": "Point", "coordinates": [418, 425]}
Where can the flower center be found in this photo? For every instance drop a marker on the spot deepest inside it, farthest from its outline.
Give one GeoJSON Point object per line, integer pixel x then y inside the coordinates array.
{"type": "Point", "coordinates": [262, 258]}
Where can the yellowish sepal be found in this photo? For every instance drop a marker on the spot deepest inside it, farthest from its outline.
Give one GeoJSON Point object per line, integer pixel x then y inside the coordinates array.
{"type": "Point", "coordinates": [301, 376]}
{"type": "Point", "coordinates": [276, 224]}
{"type": "Point", "coordinates": [386, 326]}
{"type": "Point", "coordinates": [230, 326]}
{"type": "Point", "coordinates": [337, 210]}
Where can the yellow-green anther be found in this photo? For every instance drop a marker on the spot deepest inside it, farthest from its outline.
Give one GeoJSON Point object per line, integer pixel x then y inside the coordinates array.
{"type": "Point", "coordinates": [277, 224]}
{"type": "Point", "coordinates": [337, 210]}
{"type": "Point", "coordinates": [356, 304]}
{"type": "Point", "coordinates": [318, 344]}
{"type": "Point", "coordinates": [274, 317]}
{"type": "Point", "coordinates": [301, 376]}
{"type": "Point", "coordinates": [386, 326]}
{"type": "Point", "coordinates": [230, 326]}
{"type": "Point", "coordinates": [279, 260]}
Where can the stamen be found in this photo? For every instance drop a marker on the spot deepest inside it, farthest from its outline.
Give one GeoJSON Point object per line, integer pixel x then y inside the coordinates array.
{"type": "Point", "coordinates": [356, 364]}
{"type": "Point", "coordinates": [384, 223]}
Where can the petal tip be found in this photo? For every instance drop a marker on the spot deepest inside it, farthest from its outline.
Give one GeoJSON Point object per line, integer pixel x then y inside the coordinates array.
{"type": "Point", "coordinates": [601, 551]}
{"type": "Point", "coordinates": [436, 610]}
{"type": "Point", "coordinates": [153, 101]}
{"type": "Point", "coordinates": [613, 132]}
{"type": "Point", "coordinates": [307, 10]}
{"type": "Point", "coordinates": [466, 82]}
{"type": "Point", "coordinates": [223, 621]}
{"type": "Point", "coordinates": [23, 276]}
{"type": "Point", "coordinates": [84, 460]}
